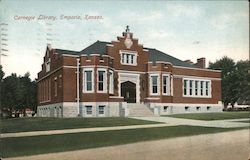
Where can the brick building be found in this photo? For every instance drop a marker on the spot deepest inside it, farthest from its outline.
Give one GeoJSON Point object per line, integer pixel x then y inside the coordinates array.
{"type": "Point", "coordinates": [123, 78]}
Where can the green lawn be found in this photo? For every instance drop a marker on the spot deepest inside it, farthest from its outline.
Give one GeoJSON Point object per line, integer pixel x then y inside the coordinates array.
{"type": "Point", "coordinates": [213, 116]}
{"type": "Point", "coordinates": [22, 146]}
{"type": "Point", "coordinates": [247, 121]}
{"type": "Point", "coordinates": [39, 124]}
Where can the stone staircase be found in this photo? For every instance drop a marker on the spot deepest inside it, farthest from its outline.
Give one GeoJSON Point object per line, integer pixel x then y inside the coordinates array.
{"type": "Point", "coordinates": [139, 110]}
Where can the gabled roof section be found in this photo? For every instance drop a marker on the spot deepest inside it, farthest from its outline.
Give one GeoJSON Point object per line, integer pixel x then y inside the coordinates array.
{"type": "Point", "coordinates": [156, 55]}
{"type": "Point", "coordinates": [99, 47]}
{"type": "Point", "coordinates": [61, 51]}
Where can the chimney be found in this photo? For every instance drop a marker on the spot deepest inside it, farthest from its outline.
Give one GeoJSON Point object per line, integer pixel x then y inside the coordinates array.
{"type": "Point", "coordinates": [189, 61]}
{"type": "Point", "coordinates": [201, 62]}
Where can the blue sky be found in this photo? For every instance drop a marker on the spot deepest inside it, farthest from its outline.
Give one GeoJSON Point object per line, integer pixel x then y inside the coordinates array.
{"type": "Point", "coordinates": [184, 29]}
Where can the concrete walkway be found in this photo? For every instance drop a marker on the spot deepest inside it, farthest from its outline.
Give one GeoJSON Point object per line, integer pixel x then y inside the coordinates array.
{"type": "Point", "coordinates": [232, 123]}
{"type": "Point", "coordinates": [219, 146]}
{"type": "Point", "coordinates": [166, 121]}
{"type": "Point", "coordinates": [64, 131]}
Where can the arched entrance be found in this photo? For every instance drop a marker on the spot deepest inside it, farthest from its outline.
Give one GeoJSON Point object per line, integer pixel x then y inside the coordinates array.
{"type": "Point", "coordinates": [128, 91]}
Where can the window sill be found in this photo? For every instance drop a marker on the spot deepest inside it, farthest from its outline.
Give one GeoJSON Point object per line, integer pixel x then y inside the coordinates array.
{"type": "Point", "coordinates": [128, 64]}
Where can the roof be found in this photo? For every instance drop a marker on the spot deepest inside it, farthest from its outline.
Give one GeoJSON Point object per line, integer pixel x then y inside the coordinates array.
{"type": "Point", "coordinates": [99, 47]}
{"type": "Point", "coordinates": [156, 55]}
{"type": "Point", "coordinates": [61, 51]}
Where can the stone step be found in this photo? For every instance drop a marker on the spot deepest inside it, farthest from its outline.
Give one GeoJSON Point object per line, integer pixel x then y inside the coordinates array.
{"type": "Point", "coordinates": [139, 110]}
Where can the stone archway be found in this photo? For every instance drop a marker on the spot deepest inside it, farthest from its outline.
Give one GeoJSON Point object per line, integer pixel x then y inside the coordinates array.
{"type": "Point", "coordinates": [128, 91]}
{"type": "Point", "coordinates": [133, 78]}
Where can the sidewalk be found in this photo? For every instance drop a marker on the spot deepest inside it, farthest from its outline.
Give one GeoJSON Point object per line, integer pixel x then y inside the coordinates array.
{"type": "Point", "coordinates": [232, 123]}
{"type": "Point", "coordinates": [166, 121]}
{"type": "Point", "coordinates": [232, 145]}
{"type": "Point", "coordinates": [51, 132]}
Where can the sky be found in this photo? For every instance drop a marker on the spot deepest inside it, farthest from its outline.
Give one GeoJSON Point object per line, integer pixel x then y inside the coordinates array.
{"type": "Point", "coordinates": [183, 29]}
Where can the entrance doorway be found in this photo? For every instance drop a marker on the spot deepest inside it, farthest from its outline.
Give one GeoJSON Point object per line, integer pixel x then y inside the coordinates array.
{"type": "Point", "coordinates": [128, 91]}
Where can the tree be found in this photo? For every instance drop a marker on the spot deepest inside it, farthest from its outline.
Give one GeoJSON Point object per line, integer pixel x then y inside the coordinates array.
{"type": "Point", "coordinates": [1, 73]}
{"type": "Point", "coordinates": [10, 91]}
{"type": "Point", "coordinates": [234, 79]}
{"type": "Point", "coordinates": [1, 81]}
{"type": "Point", "coordinates": [19, 93]}
{"type": "Point", "coordinates": [243, 80]}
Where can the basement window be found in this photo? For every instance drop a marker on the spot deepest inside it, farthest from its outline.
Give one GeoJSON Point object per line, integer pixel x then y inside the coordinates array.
{"type": "Point", "coordinates": [101, 110]}
{"type": "Point", "coordinates": [186, 108]}
{"type": "Point", "coordinates": [165, 108]}
{"type": "Point", "coordinates": [198, 108]}
{"type": "Point", "coordinates": [88, 110]}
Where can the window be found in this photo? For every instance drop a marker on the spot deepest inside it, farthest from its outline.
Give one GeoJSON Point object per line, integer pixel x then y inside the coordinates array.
{"type": "Point", "coordinates": [185, 87]}
{"type": "Point", "coordinates": [132, 59]}
{"type": "Point", "coordinates": [154, 84]}
{"type": "Point", "coordinates": [123, 57]}
{"type": "Point", "coordinates": [47, 65]}
{"type": "Point", "coordinates": [164, 84]}
{"type": "Point", "coordinates": [190, 87]}
{"type": "Point", "coordinates": [111, 82]}
{"type": "Point", "coordinates": [88, 85]}
{"type": "Point", "coordinates": [55, 86]}
{"type": "Point", "coordinates": [60, 81]}
{"type": "Point", "coordinates": [101, 110]}
{"type": "Point", "coordinates": [100, 80]}
{"type": "Point", "coordinates": [196, 88]}
{"type": "Point", "coordinates": [165, 108]}
{"type": "Point", "coordinates": [198, 108]}
{"type": "Point", "coordinates": [89, 110]}
{"type": "Point", "coordinates": [207, 83]}
{"type": "Point", "coordinates": [208, 108]}
{"type": "Point", "coordinates": [89, 80]}
{"type": "Point", "coordinates": [128, 57]}
{"type": "Point", "coordinates": [186, 108]}
{"type": "Point", "coordinates": [202, 88]}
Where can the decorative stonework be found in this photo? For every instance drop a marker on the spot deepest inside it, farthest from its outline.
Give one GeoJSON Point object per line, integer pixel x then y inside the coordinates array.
{"type": "Point", "coordinates": [128, 42]}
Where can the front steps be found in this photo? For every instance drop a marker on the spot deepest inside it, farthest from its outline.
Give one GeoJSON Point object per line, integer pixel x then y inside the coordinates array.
{"type": "Point", "coordinates": [139, 110]}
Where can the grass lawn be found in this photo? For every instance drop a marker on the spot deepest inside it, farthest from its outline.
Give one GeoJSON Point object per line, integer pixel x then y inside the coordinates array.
{"type": "Point", "coordinates": [22, 146]}
{"type": "Point", "coordinates": [213, 116]}
{"type": "Point", "coordinates": [40, 124]}
{"type": "Point", "coordinates": [247, 121]}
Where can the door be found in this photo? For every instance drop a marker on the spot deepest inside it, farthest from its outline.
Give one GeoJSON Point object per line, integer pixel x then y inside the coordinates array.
{"type": "Point", "coordinates": [128, 91]}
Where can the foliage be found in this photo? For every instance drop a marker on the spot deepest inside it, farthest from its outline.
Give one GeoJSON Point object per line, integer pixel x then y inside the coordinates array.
{"type": "Point", "coordinates": [235, 80]}
{"type": "Point", "coordinates": [18, 93]}
{"type": "Point", "coordinates": [1, 81]}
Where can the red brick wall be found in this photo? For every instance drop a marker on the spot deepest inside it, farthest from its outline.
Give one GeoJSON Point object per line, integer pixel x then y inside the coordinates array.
{"type": "Point", "coordinates": [178, 93]}
{"type": "Point", "coordinates": [66, 91]}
